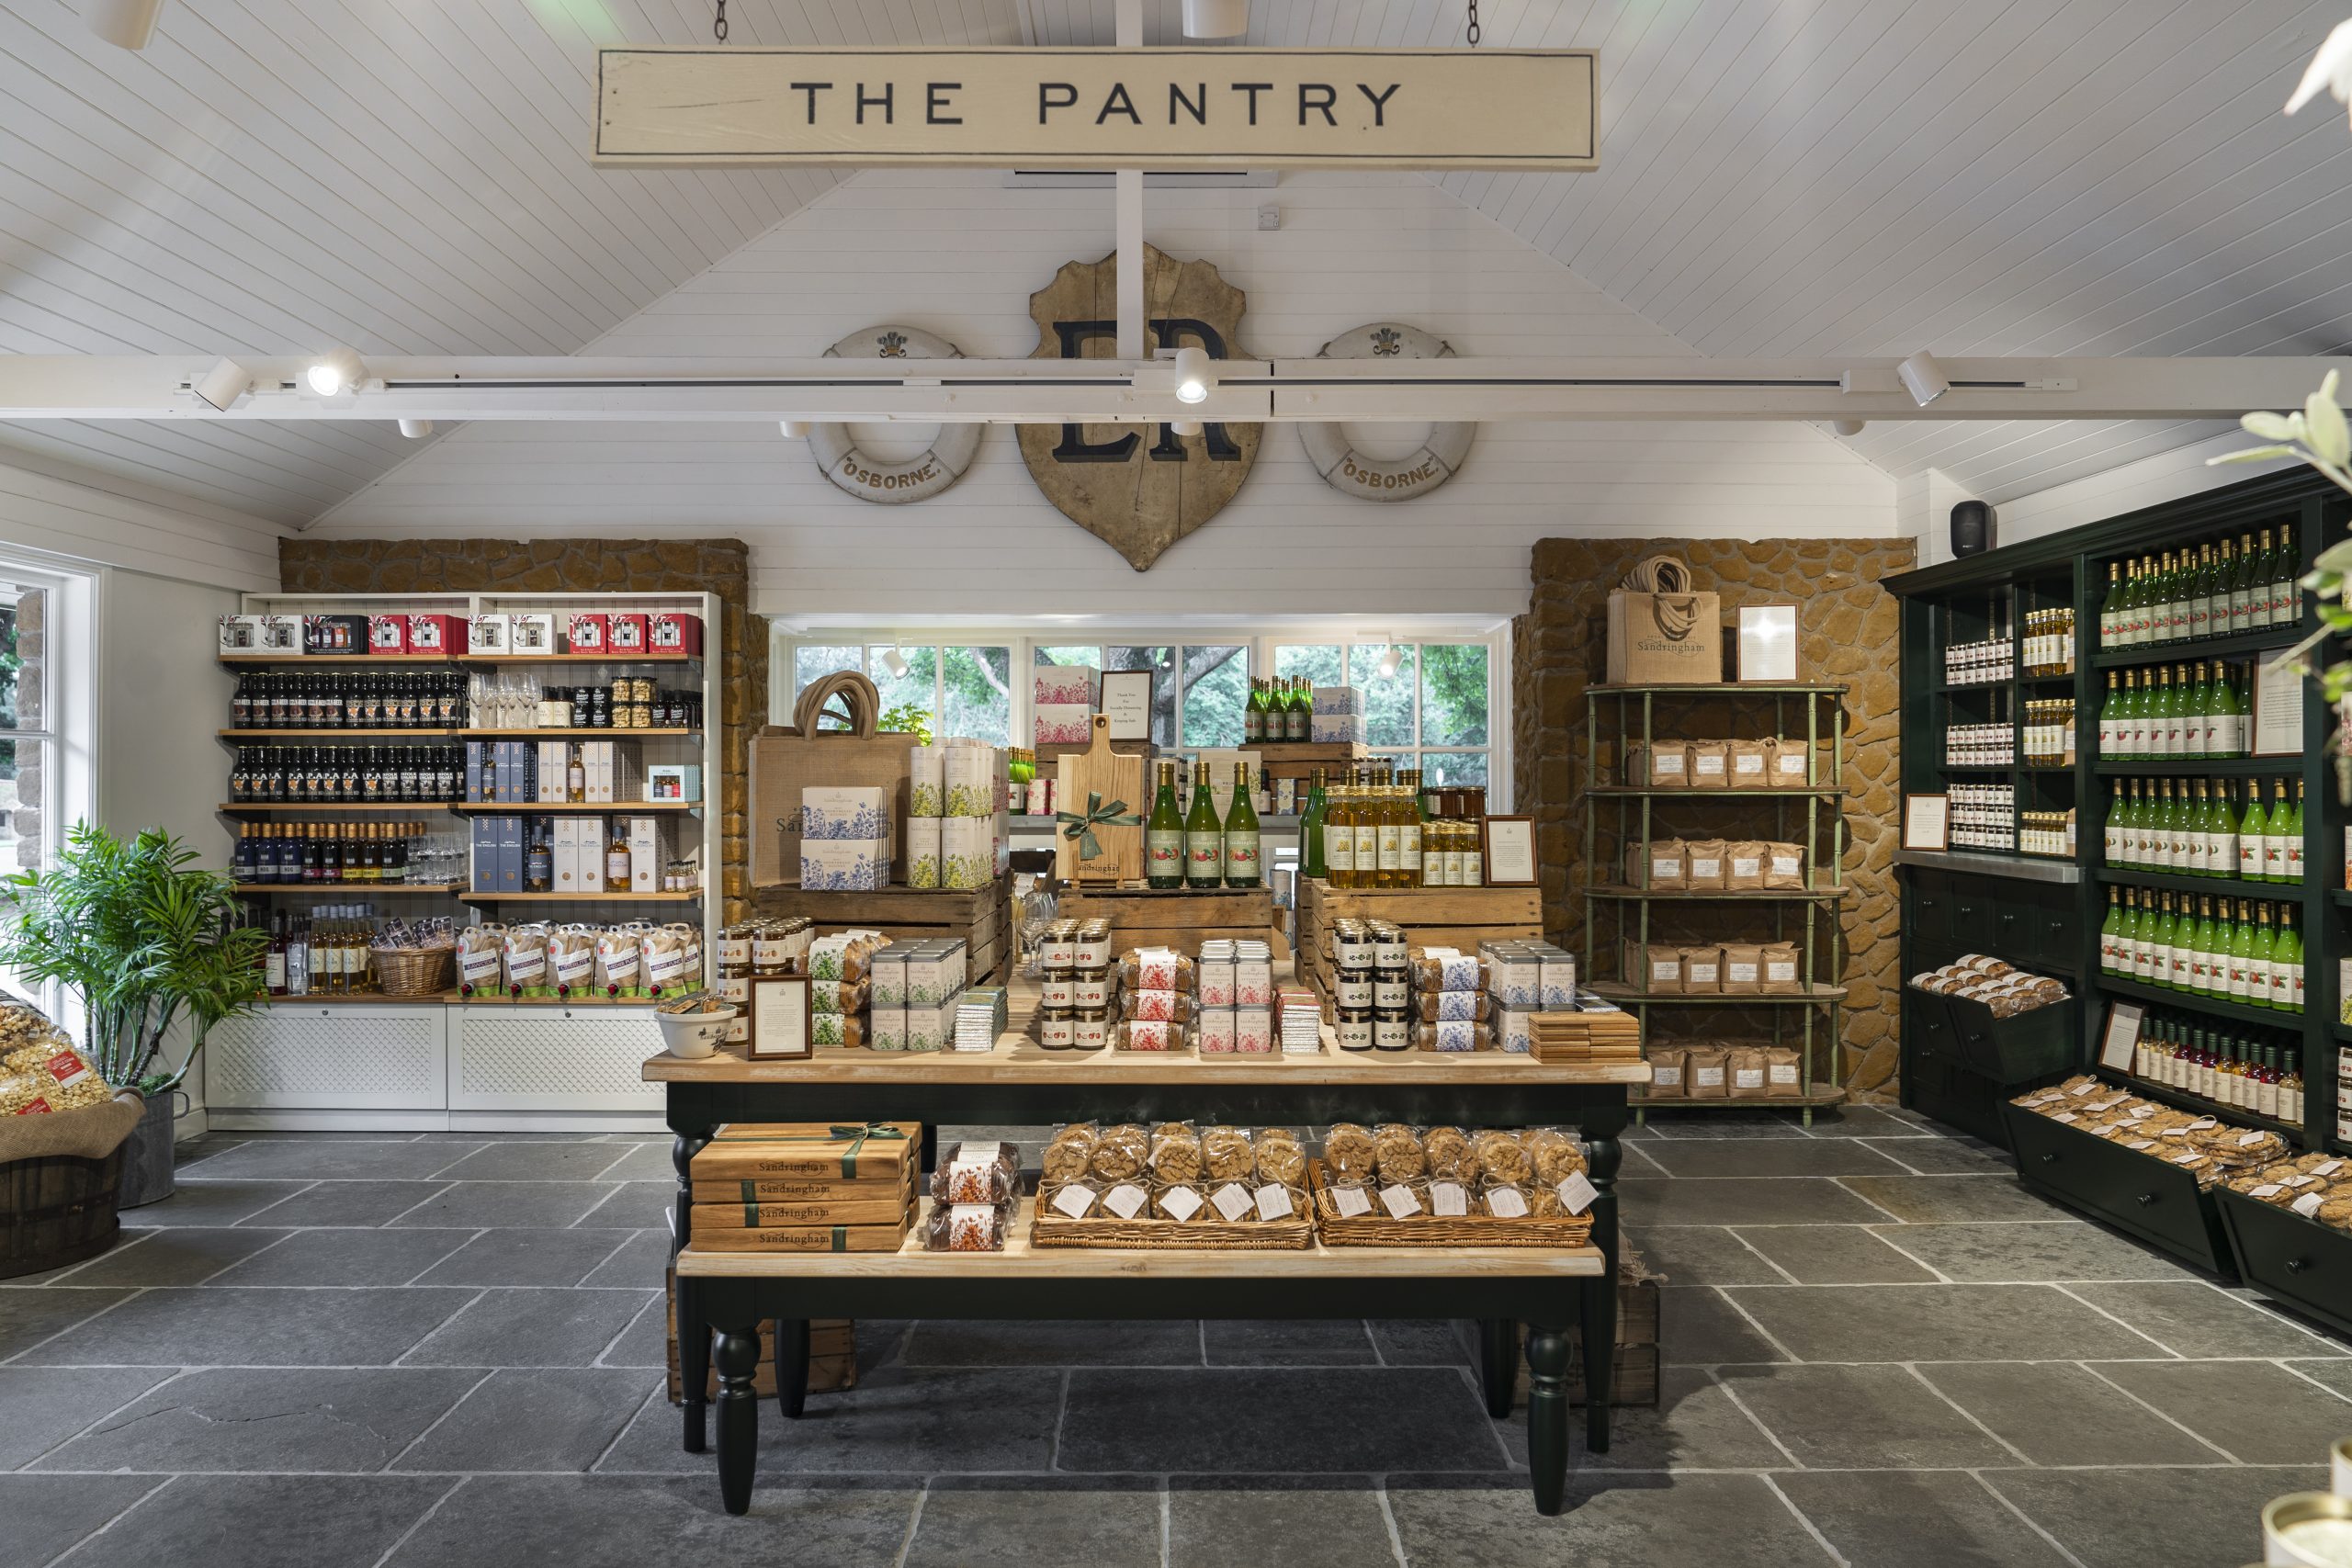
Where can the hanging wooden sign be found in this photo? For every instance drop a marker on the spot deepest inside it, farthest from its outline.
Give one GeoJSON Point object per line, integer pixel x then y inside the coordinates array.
{"type": "Point", "coordinates": [1139, 488]}
{"type": "Point", "coordinates": [1100, 108]}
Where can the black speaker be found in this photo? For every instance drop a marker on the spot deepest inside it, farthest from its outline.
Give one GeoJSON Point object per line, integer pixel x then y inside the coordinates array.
{"type": "Point", "coordinates": [1972, 528]}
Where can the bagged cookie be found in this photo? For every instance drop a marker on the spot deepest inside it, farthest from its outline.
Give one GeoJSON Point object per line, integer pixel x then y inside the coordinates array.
{"type": "Point", "coordinates": [978, 1173]}
{"type": "Point", "coordinates": [1555, 1156]}
{"type": "Point", "coordinates": [1175, 1152]}
{"type": "Point", "coordinates": [1703, 867]}
{"type": "Point", "coordinates": [1282, 1160]}
{"type": "Point", "coordinates": [1120, 1152]}
{"type": "Point", "coordinates": [1501, 1156]}
{"type": "Point", "coordinates": [968, 1227]}
{"type": "Point", "coordinates": [1448, 1155]}
{"type": "Point", "coordinates": [1069, 1154]}
{"type": "Point", "coordinates": [1350, 1150]}
{"type": "Point", "coordinates": [1449, 1006]}
{"type": "Point", "coordinates": [1397, 1152]}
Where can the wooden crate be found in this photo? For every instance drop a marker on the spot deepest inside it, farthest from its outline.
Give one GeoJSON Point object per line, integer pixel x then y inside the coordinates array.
{"type": "Point", "coordinates": [832, 1355]}
{"type": "Point", "coordinates": [1299, 759]}
{"type": "Point", "coordinates": [981, 916]}
{"type": "Point", "coordinates": [1148, 916]}
{"type": "Point", "coordinates": [1636, 1383]}
{"type": "Point", "coordinates": [1443, 917]}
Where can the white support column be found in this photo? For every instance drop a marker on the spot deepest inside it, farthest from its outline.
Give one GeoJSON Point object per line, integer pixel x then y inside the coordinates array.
{"type": "Point", "coordinates": [1129, 203]}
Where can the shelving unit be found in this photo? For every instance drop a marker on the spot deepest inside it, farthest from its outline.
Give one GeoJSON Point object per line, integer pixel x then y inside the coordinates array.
{"type": "Point", "coordinates": [1619, 816]}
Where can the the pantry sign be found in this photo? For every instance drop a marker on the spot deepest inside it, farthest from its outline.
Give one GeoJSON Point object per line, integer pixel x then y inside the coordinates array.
{"type": "Point", "coordinates": [1167, 109]}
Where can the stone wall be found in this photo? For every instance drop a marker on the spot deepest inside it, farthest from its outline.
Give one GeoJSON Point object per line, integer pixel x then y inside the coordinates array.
{"type": "Point", "coordinates": [582, 566]}
{"type": "Point", "coordinates": [1847, 625]}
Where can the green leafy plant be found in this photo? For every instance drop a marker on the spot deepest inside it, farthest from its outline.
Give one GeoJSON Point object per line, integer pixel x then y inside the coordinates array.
{"type": "Point", "coordinates": [906, 718]}
{"type": "Point", "coordinates": [145, 941]}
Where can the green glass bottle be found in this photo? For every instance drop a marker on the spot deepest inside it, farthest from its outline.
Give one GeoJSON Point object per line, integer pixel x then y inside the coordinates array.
{"type": "Point", "coordinates": [2110, 609]}
{"type": "Point", "coordinates": [2221, 834]}
{"type": "Point", "coordinates": [1311, 828]}
{"type": "Point", "coordinates": [2130, 842]}
{"type": "Point", "coordinates": [2240, 938]}
{"type": "Point", "coordinates": [2286, 593]}
{"type": "Point", "coordinates": [2110, 932]}
{"type": "Point", "coordinates": [2242, 587]}
{"type": "Point", "coordinates": [2161, 937]}
{"type": "Point", "coordinates": [1241, 863]}
{"type": "Point", "coordinates": [1164, 836]}
{"type": "Point", "coordinates": [2254, 828]}
{"type": "Point", "coordinates": [2200, 727]}
{"type": "Point", "coordinates": [2111, 837]}
{"type": "Point", "coordinates": [2286, 964]}
{"type": "Point", "coordinates": [2261, 976]}
{"type": "Point", "coordinates": [1204, 835]}
{"type": "Point", "coordinates": [2291, 837]}
{"type": "Point", "coordinates": [1253, 715]}
{"type": "Point", "coordinates": [2201, 948]}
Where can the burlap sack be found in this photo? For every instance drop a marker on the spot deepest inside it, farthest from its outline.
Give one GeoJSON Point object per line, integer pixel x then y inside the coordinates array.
{"type": "Point", "coordinates": [1703, 864]}
{"type": "Point", "coordinates": [1779, 977]}
{"type": "Point", "coordinates": [1743, 969]}
{"type": "Point", "coordinates": [1743, 861]}
{"type": "Point", "coordinates": [1751, 764]}
{"type": "Point", "coordinates": [1710, 764]}
{"type": "Point", "coordinates": [1703, 970]}
{"type": "Point", "coordinates": [1703, 1074]}
{"type": "Point", "coordinates": [1744, 1073]}
{"type": "Point", "coordinates": [1665, 1073]}
{"type": "Point", "coordinates": [1781, 1081]}
{"type": "Point", "coordinates": [1788, 763]}
{"type": "Point", "coordinates": [91, 1133]}
{"type": "Point", "coordinates": [1784, 867]}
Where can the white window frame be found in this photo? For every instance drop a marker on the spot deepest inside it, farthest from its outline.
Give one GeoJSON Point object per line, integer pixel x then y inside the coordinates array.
{"type": "Point", "coordinates": [68, 728]}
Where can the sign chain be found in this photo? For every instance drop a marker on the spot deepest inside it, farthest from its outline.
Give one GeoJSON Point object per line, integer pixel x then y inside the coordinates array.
{"type": "Point", "coordinates": [718, 23]}
{"type": "Point", "coordinates": [1473, 34]}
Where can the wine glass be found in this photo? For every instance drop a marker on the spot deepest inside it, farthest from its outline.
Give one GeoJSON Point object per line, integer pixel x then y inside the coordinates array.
{"type": "Point", "coordinates": [1037, 909]}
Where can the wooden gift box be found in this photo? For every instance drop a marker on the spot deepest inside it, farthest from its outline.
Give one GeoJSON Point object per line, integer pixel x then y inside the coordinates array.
{"type": "Point", "coordinates": [763, 1151]}
{"type": "Point", "coordinates": [833, 1354]}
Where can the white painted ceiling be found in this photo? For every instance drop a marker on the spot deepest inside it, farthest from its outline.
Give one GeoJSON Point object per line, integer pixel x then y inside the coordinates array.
{"type": "Point", "coordinates": [1778, 176]}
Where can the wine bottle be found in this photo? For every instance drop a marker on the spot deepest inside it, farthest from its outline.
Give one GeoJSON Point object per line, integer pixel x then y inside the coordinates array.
{"type": "Point", "coordinates": [2292, 838]}
{"type": "Point", "coordinates": [1241, 863]}
{"type": "Point", "coordinates": [1311, 828]}
{"type": "Point", "coordinates": [2241, 954]}
{"type": "Point", "coordinates": [2286, 964]}
{"type": "Point", "coordinates": [2275, 837]}
{"type": "Point", "coordinates": [1204, 835]}
{"type": "Point", "coordinates": [1164, 836]}
{"type": "Point", "coordinates": [2261, 980]}
{"type": "Point", "coordinates": [1253, 715]}
{"type": "Point", "coordinates": [2110, 932]}
{"type": "Point", "coordinates": [2286, 593]}
{"type": "Point", "coordinates": [2111, 831]}
{"type": "Point", "coordinates": [2253, 829]}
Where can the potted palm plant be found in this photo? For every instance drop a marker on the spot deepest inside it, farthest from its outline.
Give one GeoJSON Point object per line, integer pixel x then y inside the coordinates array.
{"type": "Point", "coordinates": [157, 953]}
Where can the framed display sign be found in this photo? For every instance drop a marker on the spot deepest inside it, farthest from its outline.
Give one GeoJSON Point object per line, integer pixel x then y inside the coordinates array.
{"type": "Point", "coordinates": [1509, 844]}
{"type": "Point", "coordinates": [1926, 821]}
{"type": "Point", "coordinates": [2120, 1039]}
{"type": "Point", "coordinates": [2277, 709]}
{"type": "Point", "coordinates": [779, 1018]}
{"type": "Point", "coordinates": [1127, 703]}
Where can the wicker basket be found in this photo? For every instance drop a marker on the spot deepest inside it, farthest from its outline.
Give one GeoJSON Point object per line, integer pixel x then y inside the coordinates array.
{"type": "Point", "coordinates": [1428, 1230]}
{"type": "Point", "coordinates": [414, 971]}
{"type": "Point", "coordinates": [57, 1209]}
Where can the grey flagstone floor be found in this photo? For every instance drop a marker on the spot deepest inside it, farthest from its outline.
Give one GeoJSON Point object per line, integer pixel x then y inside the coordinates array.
{"type": "Point", "coordinates": [354, 1351]}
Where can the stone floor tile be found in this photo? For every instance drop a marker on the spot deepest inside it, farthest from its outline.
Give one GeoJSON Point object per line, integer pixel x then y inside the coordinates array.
{"type": "Point", "coordinates": [1860, 1417]}
{"type": "Point", "coordinates": [268, 1521]}
{"type": "Point", "coordinates": [1143, 1342]}
{"type": "Point", "coordinates": [2199, 1320]}
{"type": "Point", "coordinates": [1701, 1255]}
{"type": "Point", "coordinates": [897, 1421]}
{"type": "Point", "coordinates": [1869, 1122]}
{"type": "Point", "coordinates": [1696, 1425]}
{"type": "Point", "coordinates": [2336, 1375]}
{"type": "Point", "coordinates": [645, 1342]}
{"type": "Point", "coordinates": [1243, 1421]}
{"type": "Point", "coordinates": [537, 1418]}
{"type": "Point", "coordinates": [2256, 1413]}
{"type": "Point", "coordinates": [1673, 1521]}
{"type": "Point", "coordinates": [319, 1159]}
{"type": "Point", "coordinates": [534, 1257]}
{"type": "Point", "coordinates": [1419, 1342]}
{"type": "Point", "coordinates": [641, 1260]}
{"type": "Point", "coordinates": [346, 1203]}
{"type": "Point", "coordinates": [345, 1257]}
{"type": "Point", "coordinates": [1833, 1255]}
{"type": "Point", "coordinates": [2056, 1413]}
{"type": "Point", "coordinates": [1288, 1342]}
{"type": "Point", "coordinates": [1307, 1522]}
{"type": "Point", "coordinates": [1788, 1201]}
{"type": "Point", "coordinates": [210, 1203]}
{"type": "Point", "coordinates": [643, 1162]}
{"type": "Point", "coordinates": [2006, 1251]}
{"type": "Point", "coordinates": [1951, 1199]}
{"type": "Point", "coordinates": [1961, 1322]}
{"type": "Point", "coordinates": [176, 1255]}
{"type": "Point", "coordinates": [2127, 1519]}
{"type": "Point", "coordinates": [881, 1341]}
{"type": "Point", "coordinates": [641, 1205]}
{"type": "Point", "coordinates": [1673, 1125]}
{"type": "Point", "coordinates": [530, 1328]}
{"type": "Point", "coordinates": [1946, 1156]}
{"type": "Point", "coordinates": [1920, 1518]}
{"type": "Point", "coordinates": [537, 1162]}
{"type": "Point", "coordinates": [489, 1205]}
{"type": "Point", "coordinates": [45, 1405]}
{"type": "Point", "coordinates": [1636, 1161]}
{"type": "Point", "coordinates": [210, 1325]}
{"type": "Point", "coordinates": [269, 1419]}
{"type": "Point", "coordinates": [28, 1317]}
{"type": "Point", "coordinates": [1024, 1524]}
{"type": "Point", "coordinates": [600, 1521]}
{"type": "Point", "coordinates": [1698, 1325]}
{"type": "Point", "coordinates": [1769, 1157]}
{"type": "Point", "coordinates": [41, 1516]}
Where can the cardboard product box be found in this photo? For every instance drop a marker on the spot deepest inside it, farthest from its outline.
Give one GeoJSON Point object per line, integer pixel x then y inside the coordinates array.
{"type": "Point", "coordinates": [1215, 977]}
{"type": "Point", "coordinates": [484, 859]}
{"type": "Point", "coordinates": [1338, 700]}
{"type": "Point", "coordinates": [674, 781]}
{"type": "Point", "coordinates": [931, 1027]}
{"type": "Point", "coordinates": [1214, 1029]}
{"type": "Point", "coordinates": [1062, 723]}
{"type": "Point", "coordinates": [1514, 1029]}
{"type": "Point", "coordinates": [555, 769]}
{"type": "Point", "coordinates": [861, 865]}
{"type": "Point", "coordinates": [1253, 1031]}
{"type": "Point", "coordinates": [936, 971]}
{"type": "Point", "coordinates": [967, 852]}
{"type": "Point", "coordinates": [1767, 649]}
{"type": "Point", "coordinates": [568, 874]}
{"type": "Point", "coordinates": [510, 854]}
{"type": "Point", "coordinates": [335, 634]}
{"type": "Point", "coordinates": [490, 633]}
{"type": "Point", "coordinates": [531, 633]}
{"type": "Point", "coordinates": [1340, 728]}
{"type": "Point", "coordinates": [651, 846]}
{"type": "Point", "coordinates": [240, 634]}
{"type": "Point", "coordinates": [280, 634]}
{"type": "Point", "coordinates": [885, 1028]}
{"type": "Point", "coordinates": [1644, 648]}
{"type": "Point", "coordinates": [971, 782]}
{"type": "Point", "coordinates": [1253, 982]}
{"type": "Point", "coordinates": [388, 634]}
{"type": "Point", "coordinates": [845, 811]}
{"type": "Point", "coordinates": [477, 776]}
{"type": "Point", "coordinates": [923, 852]}
{"type": "Point", "coordinates": [675, 631]}
{"type": "Point", "coordinates": [1066, 684]}
{"type": "Point", "coordinates": [626, 632]}
{"type": "Point", "coordinates": [588, 632]}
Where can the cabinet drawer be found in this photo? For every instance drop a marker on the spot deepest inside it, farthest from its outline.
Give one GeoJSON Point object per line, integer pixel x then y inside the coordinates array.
{"type": "Point", "coordinates": [2035, 1044]}
{"type": "Point", "coordinates": [552, 1058]}
{"type": "Point", "coordinates": [1973, 922]}
{"type": "Point", "coordinates": [2159, 1203]}
{"type": "Point", "coordinates": [322, 1056]}
{"type": "Point", "coordinates": [2303, 1263]}
{"type": "Point", "coordinates": [1929, 898]}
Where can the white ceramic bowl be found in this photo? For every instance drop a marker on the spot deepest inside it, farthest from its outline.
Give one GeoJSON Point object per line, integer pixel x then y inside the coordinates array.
{"type": "Point", "coordinates": [693, 1034]}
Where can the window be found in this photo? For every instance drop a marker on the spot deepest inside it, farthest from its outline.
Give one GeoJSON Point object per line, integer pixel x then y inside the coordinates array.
{"type": "Point", "coordinates": [28, 826]}
{"type": "Point", "coordinates": [953, 690]}
{"type": "Point", "coordinates": [1429, 712]}
{"type": "Point", "coordinates": [1197, 692]}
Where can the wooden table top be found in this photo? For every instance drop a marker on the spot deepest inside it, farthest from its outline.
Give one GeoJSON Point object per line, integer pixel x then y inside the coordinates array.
{"type": "Point", "coordinates": [1018, 1059]}
{"type": "Point", "coordinates": [1020, 1260]}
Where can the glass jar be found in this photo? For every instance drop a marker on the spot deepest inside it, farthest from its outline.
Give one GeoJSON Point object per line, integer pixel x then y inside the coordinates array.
{"type": "Point", "coordinates": [1354, 1028]}
{"type": "Point", "coordinates": [1057, 989]}
{"type": "Point", "coordinates": [1091, 989]}
{"type": "Point", "coordinates": [1391, 1030]}
{"type": "Point", "coordinates": [1353, 991]}
{"type": "Point", "coordinates": [1094, 1031]}
{"type": "Point", "coordinates": [1056, 1029]}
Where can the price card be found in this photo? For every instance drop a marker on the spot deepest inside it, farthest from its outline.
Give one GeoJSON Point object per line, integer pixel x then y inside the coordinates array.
{"type": "Point", "coordinates": [2066, 1116]}
{"type": "Point", "coordinates": [1232, 1200]}
{"type": "Point", "coordinates": [2083, 1089]}
{"type": "Point", "coordinates": [2189, 1158]}
{"type": "Point", "coordinates": [1181, 1201]}
{"type": "Point", "coordinates": [2308, 1204]}
{"type": "Point", "coordinates": [1075, 1201]}
{"type": "Point", "coordinates": [2249, 1139]}
{"type": "Point", "coordinates": [2327, 1167]}
{"type": "Point", "coordinates": [1399, 1201]}
{"type": "Point", "coordinates": [2268, 1190]}
{"type": "Point", "coordinates": [1273, 1201]}
{"type": "Point", "coordinates": [1506, 1204]}
{"type": "Point", "coordinates": [1577, 1193]}
{"type": "Point", "coordinates": [1126, 1200]}
{"type": "Point", "coordinates": [1351, 1202]}
{"type": "Point", "coordinates": [2109, 1103]}
{"type": "Point", "coordinates": [2297, 1181]}
{"type": "Point", "coordinates": [1449, 1200]}
{"type": "Point", "coordinates": [2203, 1122]}
{"type": "Point", "coordinates": [2140, 1144]}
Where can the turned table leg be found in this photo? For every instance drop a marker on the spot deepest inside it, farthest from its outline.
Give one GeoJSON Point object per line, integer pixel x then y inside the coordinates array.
{"type": "Point", "coordinates": [1498, 1363]}
{"type": "Point", "coordinates": [791, 1366]}
{"type": "Point", "coordinates": [739, 1415]}
{"type": "Point", "coordinates": [694, 1333]}
{"type": "Point", "coordinates": [1547, 1414]}
{"type": "Point", "coordinates": [1598, 1319]}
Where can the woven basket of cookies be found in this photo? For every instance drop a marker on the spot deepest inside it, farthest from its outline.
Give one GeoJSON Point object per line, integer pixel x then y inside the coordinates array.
{"type": "Point", "coordinates": [1398, 1186]}
{"type": "Point", "coordinates": [1174, 1184]}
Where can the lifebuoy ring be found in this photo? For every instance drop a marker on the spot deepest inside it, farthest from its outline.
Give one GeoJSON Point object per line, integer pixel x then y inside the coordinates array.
{"type": "Point", "coordinates": [1348, 470]}
{"type": "Point", "coordinates": [916, 478]}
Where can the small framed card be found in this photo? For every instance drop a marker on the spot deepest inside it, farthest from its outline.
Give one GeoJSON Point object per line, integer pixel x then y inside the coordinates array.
{"type": "Point", "coordinates": [1127, 703]}
{"type": "Point", "coordinates": [2277, 709]}
{"type": "Point", "coordinates": [2118, 1041]}
{"type": "Point", "coordinates": [1927, 822]}
{"type": "Point", "coordinates": [779, 1018]}
{"type": "Point", "coordinates": [1510, 852]}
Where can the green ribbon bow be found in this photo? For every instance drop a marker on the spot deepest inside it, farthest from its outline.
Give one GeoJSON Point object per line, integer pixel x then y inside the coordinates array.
{"type": "Point", "coordinates": [1081, 828]}
{"type": "Point", "coordinates": [856, 1136]}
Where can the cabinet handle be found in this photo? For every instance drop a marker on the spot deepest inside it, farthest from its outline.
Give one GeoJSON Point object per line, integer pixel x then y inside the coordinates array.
{"type": "Point", "coordinates": [2296, 1266]}
{"type": "Point", "coordinates": [2147, 1199]}
{"type": "Point", "coordinates": [2050, 1159]}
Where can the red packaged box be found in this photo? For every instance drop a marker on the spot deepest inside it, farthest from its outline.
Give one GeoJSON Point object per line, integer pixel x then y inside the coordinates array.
{"type": "Point", "coordinates": [591, 634]}
{"type": "Point", "coordinates": [628, 631]}
{"type": "Point", "coordinates": [674, 631]}
{"type": "Point", "coordinates": [437, 634]}
{"type": "Point", "coordinates": [388, 634]}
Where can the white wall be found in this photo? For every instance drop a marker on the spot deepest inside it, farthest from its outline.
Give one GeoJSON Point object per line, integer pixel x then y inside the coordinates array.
{"type": "Point", "coordinates": [2168, 476]}
{"type": "Point", "coordinates": [100, 518]}
{"type": "Point", "coordinates": [958, 254]}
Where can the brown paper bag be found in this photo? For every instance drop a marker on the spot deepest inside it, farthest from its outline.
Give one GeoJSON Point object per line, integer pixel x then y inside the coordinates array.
{"type": "Point", "coordinates": [1751, 764]}
{"type": "Point", "coordinates": [1745, 1072]}
{"type": "Point", "coordinates": [1665, 1073]}
{"type": "Point", "coordinates": [1663, 765]}
{"type": "Point", "coordinates": [1787, 759]}
{"type": "Point", "coordinates": [1710, 764]}
{"type": "Point", "coordinates": [1669, 867]}
{"type": "Point", "coordinates": [1784, 867]}
{"type": "Point", "coordinates": [1779, 976]}
{"type": "Point", "coordinates": [1743, 969]}
{"type": "Point", "coordinates": [1703, 1074]}
{"type": "Point", "coordinates": [1660, 971]}
{"type": "Point", "coordinates": [1743, 861]}
{"type": "Point", "coordinates": [1781, 1073]}
{"type": "Point", "coordinates": [1703, 970]}
{"type": "Point", "coordinates": [1702, 865]}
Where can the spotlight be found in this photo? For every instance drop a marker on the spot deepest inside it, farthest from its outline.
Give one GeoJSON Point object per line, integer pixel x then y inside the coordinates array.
{"type": "Point", "coordinates": [223, 386]}
{"type": "Point", "coordinates": [1390, 663]}
{"type": "Point", "coordinates": [1215, 18]}
{"type": "Point", "coordinates": [126, 24]}
{"type": "Point", "coordinates": [792, 429]}
{"type": "Point", "coordinates": [1922, 379]}
{"type": "Point", "coordinates": [337, 371]}
{"type": "Point", "coordinates": [1848, 426]}
{"type": "Point", "coordinates": [895, 663]}
{"type": "Point", "coordinates": [1185, 426]}
{"type": "Point", "coordinates": [416, 429]}
{"type": "Point", "coordinates": [1192, 380]}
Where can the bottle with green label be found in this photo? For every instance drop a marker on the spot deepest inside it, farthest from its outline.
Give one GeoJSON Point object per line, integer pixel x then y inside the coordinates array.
{"type": "Point", "coordinates": [1311, 828]}
{"type": "Point", "coordinates": [2261, 978]}
{"type": "Point", "coordinates": [2286, 964]}
{"type": "Point", "coordinates": [1164, 836]}
{"type": "Point", "coordinates": [1204, 835]}
{"type": "Point", "coordinates": [1241, 833]}
{"type": "Point", "coordinates": [2253, 829]}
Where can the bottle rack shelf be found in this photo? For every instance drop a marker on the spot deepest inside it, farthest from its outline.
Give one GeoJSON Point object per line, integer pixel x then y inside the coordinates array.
{"type": "Point", "coordinates": [2182, 881]}
{"type": "Point", "coordinates": [2257, 641]}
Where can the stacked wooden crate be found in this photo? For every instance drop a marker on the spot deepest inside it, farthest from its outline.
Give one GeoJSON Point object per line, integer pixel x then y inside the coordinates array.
{"type": "Point", "coordinates": [1439, 916]}
{"type": "Point", "coordinates": [1299, 759]}
{"type": "Point", "coordinates": [1572, 1039]}
{"type": "Point", "coordinates": [982, 917]}
{"type": "Point", "coordinates": [1635, 1380]}
{"type": "Point", "coordinates": [833, 1356]}
{"type": "Point", "coordinates": [1146, 916]}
